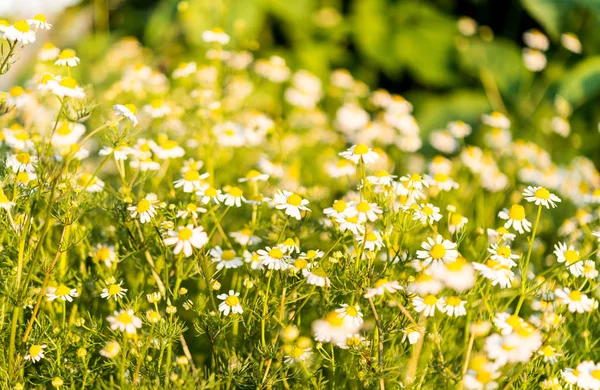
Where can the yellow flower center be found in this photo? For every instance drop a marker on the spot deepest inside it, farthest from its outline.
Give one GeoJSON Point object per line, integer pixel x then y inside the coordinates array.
{"type": "Point", "coordinates": [415, 177]}
{"type": "Point", "coordinates": [382, 173]}
{"type": "Point", "coordinates": [232, 300]}
{"type": "Point", "coordinates": [311, 254]}
{"type": "Point", "coordinates": [62, 291]}
{"type": "Point", "coordinates": [24, 158]}
{"type": "Point", "coordinates": [456, 219]}
{"type": "Point", "coordinates": [23, 177]}
{"type": "Point", "coordinates": [67, 54]}
{"type": "Point", "coordinates": [334, 320]}
{"type": "Point", "coordinates": [371, 237]}
{"type": "Point", "coordinates": [228, 255]}
{"type": "Point", "coordinates": [143, 206]}
{"type": "Point", "coordinates": [276, 253]}
{"type": "Point", "coordinates": [547, 351]}
{"type": "Point", "coordinates": [542, 193]}
{"type": "Point", "coordinates": [351, 311]}
{"type": "Point", "coordinates": [22, 26]}
{"type": "Point", "coordinates": [294, 200]}
{"type": "Point", "coordinates": [575, 295]}
{"type": "Point", "coordinates": [300, 263]}
{"type": "Point", "coordinates": [430, 300]}
{"type": "Point", "coordinates": [169, 144]}
{"type": "Point", "coordinates": [16, 91]}
{"type": "Point", "coordinates": [131, 108]}
{"type": "Point", "coordinates": [68, 82]}
{"type": "Point", "coordinates": [595, 374]}
{"type": "Point", "coordinates": [453, 301]}
{"type": "Point", "coordinates": [103, 253]}
{"type": "Point", "coordinates": [516, 212]}
{"type": "Point", "coordinates": [212, 192]}
{"type": "Point", "coordinates": [363, 207]}
{"type": "Point", "coordinates": [483, 377]}
{"type": "Point", "coordinates": [191, 176]}
{"type": "Point", "coordinates": [339, 206]}
{"type": "Point", "coordinates": [3, 197]}
{"type": "Point", "coordinates": [236, 192]}
{"type": "Point", "coordinates": [440, 177]}
{"type": "Point", "coordinates": [361, 149]}
{"type": "Point", "coordinates": [381, 282]}
{"type": "Point", "coordinates": [504, 251]}
{"type": "Point", "coordinates": [252, 174]}
{"type": "Point", "coordinates": [64, 129]}
{"type": "Point", "coordinates": [428, 211]}
{"type": "Point", "coordinates": [35, 350]}
{"type": "Point", "coordinates": [318, 271]}
{"type": "Point", "coordinates": [571, 256]}
{"type": "Point", "coordinates": [514, 321]}
{"type": "Point", "coordinates": [125, 318]}
{"type": "Point", "coordinates": [40, 18]}
{"type": "Point", "coordinates": [437, 251]}
{"type": "Point", "coordinates": [114, 289]}
{"type": "Point", "coordinates": [185, 234]}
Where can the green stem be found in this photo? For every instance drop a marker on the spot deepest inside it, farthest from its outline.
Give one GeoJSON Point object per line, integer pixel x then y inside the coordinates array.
{"type": "Point", "coordinates": [526, 265]}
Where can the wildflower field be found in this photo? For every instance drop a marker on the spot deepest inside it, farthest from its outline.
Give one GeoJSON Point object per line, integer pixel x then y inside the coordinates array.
{"type": "Point", "coordinates": [300, 195]}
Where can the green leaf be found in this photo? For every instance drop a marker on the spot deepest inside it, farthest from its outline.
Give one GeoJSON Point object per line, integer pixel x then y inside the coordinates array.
{"type": "Point", "coordinates": [435, 111]}
{"type": "Point", "coordinates": [371, 29]}
{"type": "Point", "coordinates": [582, 83]}
{"type": "Point", "coordinates": [502, 59]}
{"type": "Point", "coordinates": [549, 13]}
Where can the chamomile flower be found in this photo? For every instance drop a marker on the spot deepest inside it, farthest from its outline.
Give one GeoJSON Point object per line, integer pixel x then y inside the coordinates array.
{"type": "Point", "coordinates": [316, 275]}
{"type": "Point", "coordinates": [541, 196]}
{"type": "Point", "coordinates": [216, 35]}
{"type": "Point", "coordinates": [342, 168]}
{"type": "Point", "coordinates": [571, 42]}
{"type": "Point", "coordinates": [67, 57]}
{"type": "Point", "coordinates": [111, 349]}
{"type": "Point", "coordinates": [589, 269]}
{"type": "Point", "coordinates": [35, 353]}
{"type": "Point", "coordinates": [503, 254]}
{"type": "Point", "coordinates": [381, 286]}
{"type": "Point", "coordinates": [570, 256]}
{"type": "Point", "coordinates": [292, 203]}
{"type": "Point", "coordinates": [245, 237]}
{"type": "Point", "coordinates": [456, 223]}
{"type": "Point", "coordinates": [61, 292]}
{"type": "Point", "coordinates": [231, 303]}
{"type": "Point", "coordinates": [354, 341]}
{"type": "Point", "coordinates": [428, 305]}
{"type": "Point", "coordinates": [453, 306]}
{"type": "Point", "coordinates": [191, 181]}
{"type": "Point", "coordinates": [21, 32]}
{"type": "Point", "coordinates": [351, 315]}
{"type": "Point", "coordinates": [128, 111]}
{"type": "Point", "coordinates": [145, 209]}
{"type": "Point", "coordinates": [22, 162]}
{"type": "Point", "coordinates": [233, 197]}
{"type": "Point", "coordinates": [437, 251]}
{"type": "Point", "coordinates": [210, 194]}
{"type": "Point", "coordinates": [225, 258]}
{"type": "Point", "coordinates": [332, 328]}
{"type": "Point", "coordinates": [186, 238]}
{"type": "Point", "coordinates": [274, 258]}
{"type": "Point", "coordinates": [425, 284]}
{"type": "Point", "coordinates": [48, 52]}
{"type": "Point", "coordinates": [66, 87]}
{"type": "Point", "coordinates": [105, 254]}
{"type": "Point", "coordinates": [167, 148]}
{"type": "Point", "coordinates": [296, 354]}
{"type": "Point", "coordinates": [576, 301]}
{"type": "Point", "coordinates": [382, 178]}
{"type": "Point", "coordinates": [360, 153]}
{"type": "Point", "coordinates": [119, 152]}
{"type": "Point", "coordinates": [497, 273]}
{"type": "Point", "coordinates": [254, 259]}
{"type": "Point", "coordinates": [515, 218]}
{"type": "Point", "coordinates": [426, 214]}
{"type": "Point", "coordinates": [157, 109]}
{"type": "Point", "coordinates": [113, 290]}
{"type": "Point", "coordinates": [39, 22]}
{"type": "Point", "coordinates": [350, 222]}
{"type": "Point", "coordinates": [459, 129]}
{"type": "Point", "coordinates": [338, 208]}
{"type": "Point", "coordinates": [125, 321]}
{"type": "Point", "coordinates": [184, 69]}
{"type": "Point", "coordinates": [549, 354]}
{"type": "Point", "coordinates": [254, 176]}
{"type": "Point", "coordinates": [442, 181]}
{"type": "Point", "coordinates": [482, 378]}
{"type": "Point", "coordinates": [365, 211]}
{"type": "Point", "coordinates": [371, 241]}
{"type": "Point", "coordinates": [67, 134]}
{"type": "Point", "coordinates": [496, 119]}
{"type": "Point", "coordinates": [5, 203]}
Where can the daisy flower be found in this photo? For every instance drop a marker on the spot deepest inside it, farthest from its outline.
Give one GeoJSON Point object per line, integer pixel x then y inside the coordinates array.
{"type": "Point", "coordinates": [225, 258]}
{"type": "Point", "coordinates": [549, 354]}
{"type": "Point", "coordinates": [105, 254]}
{"type": "Point", "coordinates": [66, 87]}
{"type": "Point", "coordinates": [245, 237]}
{"type": "Point", "coordinates": [456, 223]}
{"type": "Point", "coordinates": [62, 292]}
{"type": "Point", "coordinates": [382, 178]}
{"type": "Point", "coordinates": [515, 218]}
{"type": "Point", "coordinates": [39, 22]}
{"type": "Point", "coordinates": [292, 203]}
{"type": "Point", "coordinates": [381, 286]}
{"type": "Point", "coordinates": [453, 306]}
{"type": "Point", "coordinates": [442, 181]}
{"type": "Point", "coordinates": [184, 69]}
{"type": "Point", "coordinates": [296, 354]}
{"type": "Point", "coordinates": [503, 254]}
{"type": "Point", "coordinates": [22, 162]}
{"type": "Point", "coordinates": [570, 256]}
{"type": "Point", "coordinates": [372, 241]}
{"type": "Point", "coordinates": [428, 305]}
{"type": "Point", "coordinates": [332, 328]}
{"type": "Point", "coordinates": [437, 251]}
{"type": "Point", "coordinates": [191, 181]}
{"type": "Point", "coordinates": [20, 31]}
{"type": "Point", "coordinates": [316, 275]}
{"type": "Point", "coordinates": [233, 197]}
{"type": "Point", "coordinates": [366, 211]}
{"type": "Point", "coordinates": [145, 209]}
{"type": "Point", "coordinates": [411, 334]}
{"type": "Point", "coordinates": [120, 152]}
{"type": "Point", "coordinates": [186, 238]}
{"type": "Point", "coordinates": [231, 303]}
{"type": "Point", "coordinates": [427, 214]}
{"type": "Point", "coordinates": [350, 222]}
{"type": "Point", "coordinates": [483, 378]}
{"type": "Point", "coordinates": [208, 194]}
{"type": "Point", "coordinates": [496, 119]}
{"type": "Point", "coordinates": [67, 134]}
{"type": "Point", "coordinates": [167, 149]}
{"type": "Point", "coordinates": [354, 341]}
{"type": "Point", "coordinates": [541, 196]}
{"type": "Point", "coordinates": [360, 153]}
{"type": "Point", "coordinates": [459, 129]}
{"type": "Point", "coordinates": [127, 111]}
{"type": "Point", "coordinates": [254, 176]}
{"type": "Point", "coordinates": [125, 321]}
{"type": "Point", "coordinates": [576, 301]}
{"type": "Point", "coordinates": [351, 315]}
{"type": "Point", "coordinates": [67, 57]}
{"type": "Point", "coordinates": [498, 273]}
{"type": "Point", "coordinates": [113, 291]}
{"type": "Point", "coordinates": [35, 353]}
{"type": "Point", "coordinates": [274, 258]}
{"type": "Point", "coordinates": [5, 203]}
{"type": "Point", "coordinates": [414, 182]}
{"type": "Point", "coordinates": [216, 35]}
{"type": "Point", "coordinates": [589, 269]}
{"type": "Point", "coordinates": [111, 350]}
{"type": "Point", "coordinates": [571, 42]}
{"type": "Point", "coordinates": [254, 259]}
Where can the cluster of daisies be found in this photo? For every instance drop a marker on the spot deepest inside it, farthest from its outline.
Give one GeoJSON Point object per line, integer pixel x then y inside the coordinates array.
{"type": "Point", "coordinates": [327, 252]}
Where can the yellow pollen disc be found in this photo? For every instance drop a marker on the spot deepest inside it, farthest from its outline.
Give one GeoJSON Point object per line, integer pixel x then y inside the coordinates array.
{"type": "Point", "coordinates": [68, 82]}
{"type": "Point", "coordinates": [40, 18]}
{"type": "Point", "coordinates": [571, 256]}
{"type": "Point", "coordinates": [228, 255]}
{"type": "Point", "coordinates": [596, 374]}
{"type": "Point", "coordinates": [64, 129]}
{"type": "Point", "coordinates": [430, 300]}
{"type": "Point", "coordinates": [381, 282]}
{"type": "Point", "coordinates": [483, 377]}
{"type": "Point", "coordinates": [440, 177]}
{"type": "Point", "coordinates": [62, 291]}
{"type": "Point", "coordinates": [191, 176]}
{"type": "Point", "coordinates": [236, 192]}
{"type": "Point", "coordinates": [252, 174]}
{"type": "Point", "coordinates": [168, 145]}
{"type": "Point", "coordinates": [276, 253]}
{"type": "Point", "coordinates": [143, 206]}
{"type": "Point", "coordinates": [185, 234]}
{"type": "Point", "coordinates": [514, 321]}
{"type": "Point", "coordinates": [23, 177]}
{"type": "Point", "coordinates": [516, 212]}
{"type": "Point", "coordinates": [191, 207]}
{"type": "Point", "coordinates": [334, 319]}
{"type": "Point", "coordinates": [232, 300]}
{"type": "Point", "coordinates": [3, 197]}
{"type": "Point", "coordinates": [294, 200]}
{"type": "Point", "coordinates": [318, 271]}
{"type": "Point", "coordinates": [504, 251]}
{"type": "Point", "coordinates": [371, 237]}
{"type": "Point", "coordinates": [415, 177]}
{"type": "Point", "coordinates": [300, 263]}
{"type": "Point", "coordinates": [311, 254]}
{"type": "Point", "coordinates": [382, 173]}
{"type": "Point", "coordinates": [22, 26]}
{"type": "Point", "coordinates": [212, 192]}
{"type": "Point", "coordinates": [361, 149]}
{"type": "Point", "coordinates": [352, 219]}
{"type": "Point", "coordinates": [16, 91]}
{"type": "Point", "coordinates": [437, 251]}
{"type": "Point", "coordinates": [542, 193]}
{"type": "Point", "coordinates": [575, 295]}
{"type": "Point", "coordinates": [453, 301]}
{"type": "Point", "coordinates": [547, 351]}
{"type": "Point", "coordinates": [456, 219]}
{"type": "Point", "coordinates": [125, 318]}
{"type": "Point", "coordinates": [35, 350]}
{"type": "Point", "coordinates": [67, 54]}
{"type": "Point", "coordinates": [114, 289]}
{"type": "Point", "coordinates": [363, 207]}
{"type": "Point", "coordinates": [423, 278]}
{"type": "Point", "coordinates": [427, 211]}
{"type": "Point", "coordinates": [103, 253]}
{"type": "Point", "coordinates": [351, 311]}
{"type": "Point", "coordinates": [131, 108]}
{"type": "Point", "coordinates": [24, 158]}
